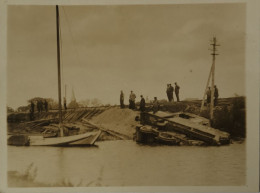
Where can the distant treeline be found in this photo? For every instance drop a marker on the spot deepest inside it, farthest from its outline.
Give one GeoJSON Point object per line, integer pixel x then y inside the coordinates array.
{"type": "Point", "coordinates": [53, 104]}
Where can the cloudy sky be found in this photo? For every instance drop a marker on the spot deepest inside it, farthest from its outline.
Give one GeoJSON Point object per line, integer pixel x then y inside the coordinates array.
{"type": "Point", "coordinates": [106, 49]}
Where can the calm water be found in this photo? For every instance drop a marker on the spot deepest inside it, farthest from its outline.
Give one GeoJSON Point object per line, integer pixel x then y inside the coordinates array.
{"type": "Point", "coordinates": [125, 163]}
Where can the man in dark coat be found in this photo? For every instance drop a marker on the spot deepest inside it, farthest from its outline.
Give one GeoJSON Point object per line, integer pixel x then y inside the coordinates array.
{"type": "Point", "coordinates": [32, 111]}
{"type": "Point", "coordinates": [142, 104]}
{"type": "Point", "coordinates": [41, 105]}
{"type": "Point", "coordinates": [208, 95]}
{"type": "Point", "coordinates": [122, 97]}
{"type": "Point", "coordinates": [171, 90]}
{"type": "Point", "coordinates": [177, 88]}
{"type": "Point", "coordinates": [168, 92]}
{"type": "Point", "coordinates": [46, 105]}
{"type": "Point", "coordinates": [215, 95]}
{"type": "Point", "coordinates": [38, 106]}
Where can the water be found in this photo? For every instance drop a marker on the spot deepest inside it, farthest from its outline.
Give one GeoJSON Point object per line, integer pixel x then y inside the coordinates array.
{"type": "Point", "coordinates": [125, 163]}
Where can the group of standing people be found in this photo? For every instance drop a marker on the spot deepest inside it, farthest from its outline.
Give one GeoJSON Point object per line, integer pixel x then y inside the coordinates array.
{"type": "Point", "coordinates": [215, 95]}
{"type": "Point", "coordinates": [41, 106]}
{"type": "Point", "coordinates": [132, 98]}
{"type": "Point", "coordinates": [169, 91]}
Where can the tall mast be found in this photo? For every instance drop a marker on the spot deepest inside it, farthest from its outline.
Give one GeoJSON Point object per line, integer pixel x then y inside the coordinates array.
{"type": "Point", "coordinates": [59, 73]}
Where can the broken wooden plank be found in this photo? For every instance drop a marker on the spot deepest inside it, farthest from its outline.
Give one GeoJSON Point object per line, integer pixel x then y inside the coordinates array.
{"type": "Point", "coordinates": [119, 135]}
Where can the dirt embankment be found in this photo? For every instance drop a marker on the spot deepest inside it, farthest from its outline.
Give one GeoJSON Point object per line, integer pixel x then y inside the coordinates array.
{"type": "Point", "coordinates": [118, 120]}
{"type": "Point", "coordinates": [229, 116]}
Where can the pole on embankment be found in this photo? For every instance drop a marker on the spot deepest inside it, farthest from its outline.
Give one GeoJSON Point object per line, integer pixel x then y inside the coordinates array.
{"type": "Point", "coordinates": [214, 45]}
{"type": "Point", "coordinates": [212, 76]}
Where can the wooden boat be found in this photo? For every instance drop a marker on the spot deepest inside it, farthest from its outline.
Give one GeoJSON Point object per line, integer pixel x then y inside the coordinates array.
{"type": "Point", "coordinates": [48, 139]}
{"type": "Point", "coordinates": [85, 139]}
{"type": "Point", "coordinates": [189, 124]}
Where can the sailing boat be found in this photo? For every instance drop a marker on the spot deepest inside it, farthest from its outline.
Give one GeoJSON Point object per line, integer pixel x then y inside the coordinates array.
{"type": "Point", "coordinates": [84, 139]}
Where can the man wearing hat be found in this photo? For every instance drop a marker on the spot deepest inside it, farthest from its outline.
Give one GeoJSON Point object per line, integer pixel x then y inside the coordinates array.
{"type": "Point", "coordinates": [122, 100]}
{"type": "Point", "coordinates": [132, 100]}
{"type": "Point", "coordinates": [168, 92]}
{"type": "Point", "coordinates": [177, 88]}
{"type": "Point", "coordinates": [171, 89]}
{"type": "Point", "coordinates": [142, 104]}
{"type": "Point", "coordinates": [156, 105]}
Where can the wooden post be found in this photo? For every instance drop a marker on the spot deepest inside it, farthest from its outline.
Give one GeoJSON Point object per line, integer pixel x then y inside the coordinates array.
{"type": "Point", "coordinates": [59, 73]}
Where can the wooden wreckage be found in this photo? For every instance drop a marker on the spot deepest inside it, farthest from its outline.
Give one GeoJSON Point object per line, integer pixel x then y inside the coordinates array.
{"type": "Point", "coordinates": [178, 129]}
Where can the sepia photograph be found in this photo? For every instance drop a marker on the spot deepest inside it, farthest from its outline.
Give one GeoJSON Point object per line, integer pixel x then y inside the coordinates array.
{"type": "Point", "coordinates": [126, 95]}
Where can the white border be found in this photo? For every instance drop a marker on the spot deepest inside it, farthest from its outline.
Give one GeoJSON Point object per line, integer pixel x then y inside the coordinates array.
{"type": "Point", "coordinates": [252, 98]}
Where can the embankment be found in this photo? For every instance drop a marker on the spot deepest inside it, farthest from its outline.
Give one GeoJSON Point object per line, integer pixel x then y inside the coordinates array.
{"type": "Point", "coordinates": [229, 116]}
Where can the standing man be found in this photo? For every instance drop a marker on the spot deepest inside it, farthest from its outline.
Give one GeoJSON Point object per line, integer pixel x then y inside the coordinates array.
{"type": "Point", "coordinates": [171, 93]}
{"type": "Point", "coordinates": [208, 95]}
{"type": "Point", "coordinates": [215, 95]}
{"type": "Point", "coordinates": [168, 92]}
{"type": "Point", "coordinates": [38, 106]}
{"type": "Point", "coordinates": [177, 88]}
{"type": "Point", "coordinates": [132, 100]}
{"type": "Point", "coordinates": [46, 105]}
{"type": "Point", "coordinates": [41, 106]}
{"type": "Point", "coordinates": [122, 100]}
{"type": "Point", "coordinates": [32, 111]}
{"type": "Point", "coordinates": [65, 103]}
{"type": "Point", "coordinates": [142, 104]}
{"type": "Point", "coordinates": [156, 105]}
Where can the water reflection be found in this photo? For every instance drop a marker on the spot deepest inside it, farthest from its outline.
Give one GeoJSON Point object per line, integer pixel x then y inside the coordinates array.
{"type": "Point", "coordinates": [125, 163]}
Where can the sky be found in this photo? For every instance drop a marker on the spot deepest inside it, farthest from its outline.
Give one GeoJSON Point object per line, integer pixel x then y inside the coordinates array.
{"type": "Point", "coordinates": [109, 48]}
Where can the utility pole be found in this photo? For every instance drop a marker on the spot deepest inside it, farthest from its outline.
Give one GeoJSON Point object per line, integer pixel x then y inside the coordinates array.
{"type": "Point", "coordinates": [212, 76]}
{"type": "Point", "coordinates": [214, 45]}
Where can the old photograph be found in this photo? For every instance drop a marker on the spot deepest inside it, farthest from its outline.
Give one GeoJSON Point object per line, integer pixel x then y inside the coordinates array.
{"type": "Point", "coordinates": [126, 95]}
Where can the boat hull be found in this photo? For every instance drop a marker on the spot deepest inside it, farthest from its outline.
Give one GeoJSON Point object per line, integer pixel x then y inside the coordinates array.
{"type": "Point", "coordinates": [85, 139]}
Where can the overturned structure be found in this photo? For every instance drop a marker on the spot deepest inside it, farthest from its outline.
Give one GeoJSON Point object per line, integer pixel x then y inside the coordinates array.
{"type": "Point", "coordinates": [178, 129]}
